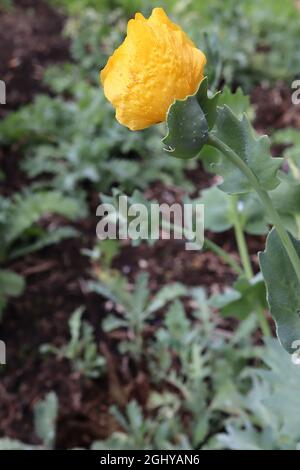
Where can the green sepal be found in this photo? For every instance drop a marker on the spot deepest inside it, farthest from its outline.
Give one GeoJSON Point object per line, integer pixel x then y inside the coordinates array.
{"type": "Point", "coordinates": [189, 122]}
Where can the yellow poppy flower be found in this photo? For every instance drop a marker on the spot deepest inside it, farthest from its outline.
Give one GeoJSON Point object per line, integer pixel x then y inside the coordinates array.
{"type": "Point", "coordinates": [156, 64]}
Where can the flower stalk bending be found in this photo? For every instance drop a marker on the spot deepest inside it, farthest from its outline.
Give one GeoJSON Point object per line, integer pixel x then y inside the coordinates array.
{"type": "Point", "coordinates": [264, 198]}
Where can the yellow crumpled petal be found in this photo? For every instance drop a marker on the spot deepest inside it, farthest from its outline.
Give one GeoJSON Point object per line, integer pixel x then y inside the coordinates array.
{"type": "Point", "coordinates": [156, 64]}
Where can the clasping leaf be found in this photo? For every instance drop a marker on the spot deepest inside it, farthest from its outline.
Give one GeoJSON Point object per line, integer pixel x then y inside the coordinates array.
{"type": "Point", "coordinates": [283, 290]}
{"type": "Point", "coordinates": [189, 122]}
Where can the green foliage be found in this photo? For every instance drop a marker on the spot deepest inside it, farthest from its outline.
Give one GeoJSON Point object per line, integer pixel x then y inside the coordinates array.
{"type": "Point", "coordinates": [202, 393]}
{"type": "Point", "coordinates": [6, 5]}
{"type": "Point", "coordinates": [137, 307]}
{"type": "Point", "coordinates": [267, 419]}
{"type": "Point", "coordinates": [82, 348]}
{"type": "Point", "coordinates": [252, 217]}
{"type": "Point", "coordinates": [258, 404]}
{"type": "Point", "coordinates": [290, 138]}
{"type": "Point", "coordinates": [76, 6]}
{"type": "Point", "coordinates": [187, 129]}
{"type": "Point", "coordinates": [24, 210]}
{"type": "Point", "coordinates": [94, 36]}
{"type": "Point", "coordinates": [13, 444]}
{"type": "Point", "coordinates": [219, 215]}
{"type": "Point", "coordinates": [104, 251]}
{"type": "Point", "coordinates": [74, 137]}
{"type": "Point", "coordinates": [45, 415]}
{"type": "Point", "coordinates": [11, 285]}
{"type": "Point", "coordinates": [181, 414]}
{"type": "Point", "coordinates": [188, 123]}
{"type": "Point", "coordinates": [80, 140]}
{"type": "Point", "coordinates": [245, 43]}
{"type": "Point", "coordinates": [209, 386]}
{"type": "Point", "coordinates": [245, 298]}
{"type": "Point", "coordinates": [22, 233]}
{"type": "Point", "coordinates": [239, 103]}
{"type": "Point", "coordinates": [255, 152]}
{"type": "Point", "coordinates": [251, 39]}
{"type": "Point", "coordinates": [286, 199]}
{"type": "Point", "coordinates": [139, 432]}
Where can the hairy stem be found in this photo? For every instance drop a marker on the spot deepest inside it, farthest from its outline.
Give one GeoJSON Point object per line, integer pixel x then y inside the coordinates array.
{"type": "Point", "coordinates": [263, 322]}
{"type": "Point", "coordinates": [240, 238]}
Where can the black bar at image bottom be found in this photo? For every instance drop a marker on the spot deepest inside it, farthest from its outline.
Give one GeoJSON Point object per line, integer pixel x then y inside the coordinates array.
{"type": "Point", "coordinates": [137, 458]}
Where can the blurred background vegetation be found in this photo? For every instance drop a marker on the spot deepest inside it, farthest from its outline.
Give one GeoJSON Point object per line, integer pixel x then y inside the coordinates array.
{"type": "Point", "coordinates": [144, 346]}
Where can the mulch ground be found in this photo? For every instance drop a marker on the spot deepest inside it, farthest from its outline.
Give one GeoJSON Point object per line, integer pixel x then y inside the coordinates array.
{"type": "Point", "coordinates": [31, 38]}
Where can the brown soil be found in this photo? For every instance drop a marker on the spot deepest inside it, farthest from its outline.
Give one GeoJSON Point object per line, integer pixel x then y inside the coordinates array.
{"type": "Point", "coordinates": [31, 39]}
{"type": "Point", "coordinates": [274, 108]}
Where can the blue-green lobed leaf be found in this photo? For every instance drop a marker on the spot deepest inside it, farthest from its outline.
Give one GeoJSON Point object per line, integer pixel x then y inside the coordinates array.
{"type": "Point", "coordinates": [255, 152]}
{"type": "Point", "coordinates": [283, 290]}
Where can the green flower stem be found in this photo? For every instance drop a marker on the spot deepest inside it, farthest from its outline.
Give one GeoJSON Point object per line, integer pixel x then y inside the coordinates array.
{"type": "Point", "coordinates": [224, 256]}
{"type": "Point", "coordinates": [240, 238]}
{"type": "Point", "coordinates": [264, 197]}
{"type": "Point", "coordinates": [264, 325]}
